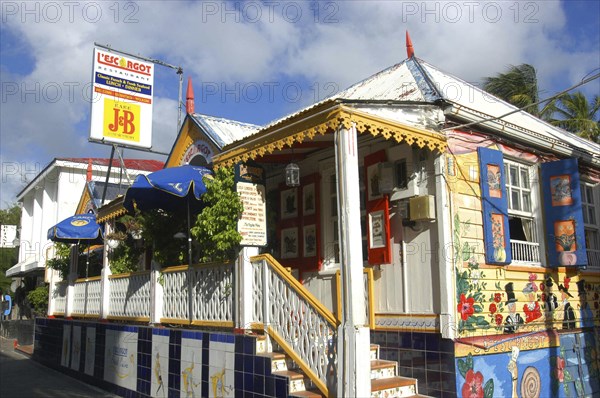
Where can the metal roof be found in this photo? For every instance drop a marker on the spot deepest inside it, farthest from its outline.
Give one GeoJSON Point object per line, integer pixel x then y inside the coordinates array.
{"type": "Point", "coordinates": [414, 81]}
{"type": "Point", "coordinates": [223, 131]}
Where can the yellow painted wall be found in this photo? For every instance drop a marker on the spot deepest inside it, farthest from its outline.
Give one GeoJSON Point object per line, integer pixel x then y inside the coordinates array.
{"type": "Point", "coordinates": [481, 295]}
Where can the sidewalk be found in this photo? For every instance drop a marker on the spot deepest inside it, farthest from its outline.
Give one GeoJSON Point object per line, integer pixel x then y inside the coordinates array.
{"type": "Point", "coordinates": [21, 376]}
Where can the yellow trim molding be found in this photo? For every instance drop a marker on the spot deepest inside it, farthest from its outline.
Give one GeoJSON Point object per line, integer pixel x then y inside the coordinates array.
{"type": "Point", "coordinates": [111, 211]}
{"type": "Point", "coordinates": [322, 121]}
{"type": "Point", "coordinates": [214, 324]}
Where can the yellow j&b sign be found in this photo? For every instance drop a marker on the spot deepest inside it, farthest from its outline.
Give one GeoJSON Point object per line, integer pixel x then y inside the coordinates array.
{"type": "Point", "coordinates": [121, 120]}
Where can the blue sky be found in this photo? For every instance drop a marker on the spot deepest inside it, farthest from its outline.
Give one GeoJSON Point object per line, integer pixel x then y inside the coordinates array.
{"type": "Point", "coordinates": [255, 62]}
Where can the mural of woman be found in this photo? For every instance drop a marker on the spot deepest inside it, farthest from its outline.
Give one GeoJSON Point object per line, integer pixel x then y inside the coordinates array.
{"type": "Point", "coordinates": [532, 309]}
{"type": "Point", "coordinates": [513, 319]}
{"type": "Point", "coordinates": [569, 314]}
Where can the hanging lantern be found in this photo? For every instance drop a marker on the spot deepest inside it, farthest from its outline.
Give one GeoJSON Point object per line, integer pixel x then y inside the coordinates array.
{"type": "Point", "coordinates": [292, 175]}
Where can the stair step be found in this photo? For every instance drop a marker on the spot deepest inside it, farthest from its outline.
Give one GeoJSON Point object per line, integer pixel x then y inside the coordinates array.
{"type": "Point", "coordinates": [296, 379]}
{"type": "Point", "coordinates": [397, 386]}
{"type": "Point", "coordinates": [261, 344]}
{"type": "Point", "coordinates": [307, 393]}
{"type": "Point", "coordinates": [374, 351]}
{"type": "Point", "coordinates": [381, 369]}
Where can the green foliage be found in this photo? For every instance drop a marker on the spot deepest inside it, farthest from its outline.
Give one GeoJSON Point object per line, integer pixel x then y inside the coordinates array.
{"type": "Point", "coordinates": [578, 115]}
{"type": "Point", "coordinates": [158, 228]}
{"type": "Point", "coordinates": [124, 258]}
{"type": "Point", "coordinates": [38, 299]}
{"type": "Point", "coordinates": [10, 216]}
{"type": "Point", "coordinates": [216, 226]}
{"type": "Point", "coordinates": [61, 261]}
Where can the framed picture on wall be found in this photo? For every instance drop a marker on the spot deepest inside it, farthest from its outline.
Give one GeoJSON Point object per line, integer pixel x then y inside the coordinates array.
{"type": "Point", "coordinates": [308, 199]}
{"type": "Point", "coordinates": [289, 243]}
{"type": "Point", "coordinates": [289, 203]}
{"type": "Point", "coordinates": [377, 236]}
{"type": "Point", "coordinates": [373, 182]}
{"type": "Point", "coordinates": [310, 240]}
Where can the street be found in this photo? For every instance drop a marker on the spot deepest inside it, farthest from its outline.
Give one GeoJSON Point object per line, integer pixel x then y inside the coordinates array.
{"type": "Point", "coordinates": [21, 377]}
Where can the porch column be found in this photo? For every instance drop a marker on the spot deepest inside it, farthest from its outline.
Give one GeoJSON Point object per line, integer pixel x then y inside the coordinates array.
{"type": "Point", "coordinates": [104, 285]}
{"type": "Point", "coordinates": [52, 276]}
{"type": "Point", "coordinates": [353, 373]}
{"type": "Point", "coordinates": [444, 224]}
{"type": "Point", "coordinates": [70, 299]}
{"type": "Point", "coordinates": [156, 292]}
{"type": "Point", "coordinates": [243, 278]}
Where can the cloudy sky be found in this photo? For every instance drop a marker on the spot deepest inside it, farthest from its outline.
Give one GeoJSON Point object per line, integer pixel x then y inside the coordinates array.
{"type": "Point", "coordinates": [257, 61]}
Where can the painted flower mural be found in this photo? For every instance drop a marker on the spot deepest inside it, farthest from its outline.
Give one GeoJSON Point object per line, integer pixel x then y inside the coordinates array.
{"type": "Point", "coordinates": [474, 386]}
{"type": "Point", "coordinates": [466, 307]}
{"type": "Point", "coordinates": [470, 281]}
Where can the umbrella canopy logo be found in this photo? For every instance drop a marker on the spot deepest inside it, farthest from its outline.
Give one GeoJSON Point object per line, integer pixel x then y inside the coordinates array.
{"type": "Point", "coordinates": [79, 223]}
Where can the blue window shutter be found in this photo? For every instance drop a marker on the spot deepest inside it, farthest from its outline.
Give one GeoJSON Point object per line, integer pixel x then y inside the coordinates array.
{"type": "Point", "coordinates": [494, 205]}
{"type": "Point", "coordinates": [565, 235]}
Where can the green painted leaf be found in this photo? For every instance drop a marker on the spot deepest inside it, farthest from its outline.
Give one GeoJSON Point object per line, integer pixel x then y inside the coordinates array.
{"type": "Point", "coordinates": [463, 368]}
{"type": "Point", "coordinates": [470, 361]}
{"type": "Point", "coordinates": [466, 252]}
{"type": "Point", "coordinates": [488, 389]}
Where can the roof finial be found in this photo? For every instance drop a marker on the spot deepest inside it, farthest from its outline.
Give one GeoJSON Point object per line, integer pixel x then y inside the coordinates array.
{"type": "Point", "coordinates": [410, 51]}
{"type": "Point", "coordinates": [189, 97]}
{"type": "Point", "coordinates": [88, 176]}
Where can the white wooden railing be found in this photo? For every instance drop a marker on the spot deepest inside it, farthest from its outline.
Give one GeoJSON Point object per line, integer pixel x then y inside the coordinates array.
{"type": "Point", "coordinates": [59, 295]}
{"type": "Point", "coordinates": [295, 320]}
{"type": "Point", "coordinates": [212, 295]}
{"type": "Point", "coordinates": [130, 296]}
{"type": "Point", "coordinates": [525, 252]}
{"type": "Point", "coordinates": [87, 297]}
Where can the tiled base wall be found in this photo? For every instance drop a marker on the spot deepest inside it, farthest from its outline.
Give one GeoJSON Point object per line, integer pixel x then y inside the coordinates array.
{"type": "Point", "coordinates": [136, 361]}
{"type": "Point", "coordinates": [424, 356]}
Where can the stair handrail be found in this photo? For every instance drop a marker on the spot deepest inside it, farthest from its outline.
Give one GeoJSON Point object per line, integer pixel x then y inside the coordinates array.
{"type": "Point", "coordinates": [319, 363]}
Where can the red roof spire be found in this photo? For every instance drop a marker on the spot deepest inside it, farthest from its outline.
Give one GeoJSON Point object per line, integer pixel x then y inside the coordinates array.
{"type": "Point", "coordinates": [410, 51]}
{"type": "Point", "coordinates": [88, 176]}
{"type": "Point", "coordinates": [189, 97]}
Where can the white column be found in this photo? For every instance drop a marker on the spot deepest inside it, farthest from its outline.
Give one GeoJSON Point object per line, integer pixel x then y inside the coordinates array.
{"type": "Point", "coordinates": [104, 274]}
{"type": "Point", "coordinates": [157, 292]}
{"type": "Point", "coordinates": [74, 257]}
{"type": "Point", "coordinates": [51, 287]}
{"type": "Point", "coordinates": [243, 299]}
{"type": "Point", "coordinates": [446, 264]}
{"type": "Point", "coordinates": [354, 376]}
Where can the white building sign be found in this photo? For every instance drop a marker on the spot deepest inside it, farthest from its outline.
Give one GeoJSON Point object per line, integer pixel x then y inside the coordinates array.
{"type": "Point", "coordinates": [121, 99]}
{"type": "Point", "coordinates": [8, 233]}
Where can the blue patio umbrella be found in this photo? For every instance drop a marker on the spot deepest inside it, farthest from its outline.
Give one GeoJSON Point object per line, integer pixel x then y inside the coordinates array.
{"type": "Point", "coordinates": [80, 228]}
{"type": "Point", "coordinates": [77, 229]}
{"type": "Point", "coordinates": [172, 189]}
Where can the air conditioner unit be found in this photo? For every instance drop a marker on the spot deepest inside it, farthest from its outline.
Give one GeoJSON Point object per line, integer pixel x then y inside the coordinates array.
{"type": "Point", "coordinates": [422, 208]}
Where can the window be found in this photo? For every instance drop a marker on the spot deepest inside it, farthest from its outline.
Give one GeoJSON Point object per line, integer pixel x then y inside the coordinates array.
{"type": "Point", "coordinates": [592, 235]}
{"type": "Point", "coordinates": [524, 234]}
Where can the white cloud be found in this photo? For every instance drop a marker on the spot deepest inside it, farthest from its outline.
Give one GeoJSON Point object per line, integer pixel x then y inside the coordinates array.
{"type": "Point", "coordinates": [351, 41]}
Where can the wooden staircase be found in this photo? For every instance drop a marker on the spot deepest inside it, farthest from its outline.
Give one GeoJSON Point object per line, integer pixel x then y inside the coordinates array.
{"type": "Point", "coordinates": [385, 381]}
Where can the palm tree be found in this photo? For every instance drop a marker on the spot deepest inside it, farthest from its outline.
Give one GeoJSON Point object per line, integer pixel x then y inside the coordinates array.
{"type": "Point", "coordinates": [518, 86]}
{"type": "Point", "coordinates": [578, 115]}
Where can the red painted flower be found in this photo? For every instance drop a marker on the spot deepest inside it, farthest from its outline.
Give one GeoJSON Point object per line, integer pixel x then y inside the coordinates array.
{"type": "Point", "coordinates": [532, 277]}
{"type": "Point", "coordinates": [497, 297]}
{"type": "Point", "coordinates": [543, 296]}
{"type": "Point", "coordinates": [542, 286]}
{"type": "Point", "coordinates": [499, 319]}
{"type": "Point", "coordinates": [473, 387]}
{"type": "Point", "coordinates": [465, 307]}
{"type": "Point", "coordinates": [560, 366]}
{"type": "Point", "coordinates": [493, 308]}
{"type": "Point", "coordinates": [567, 281]}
